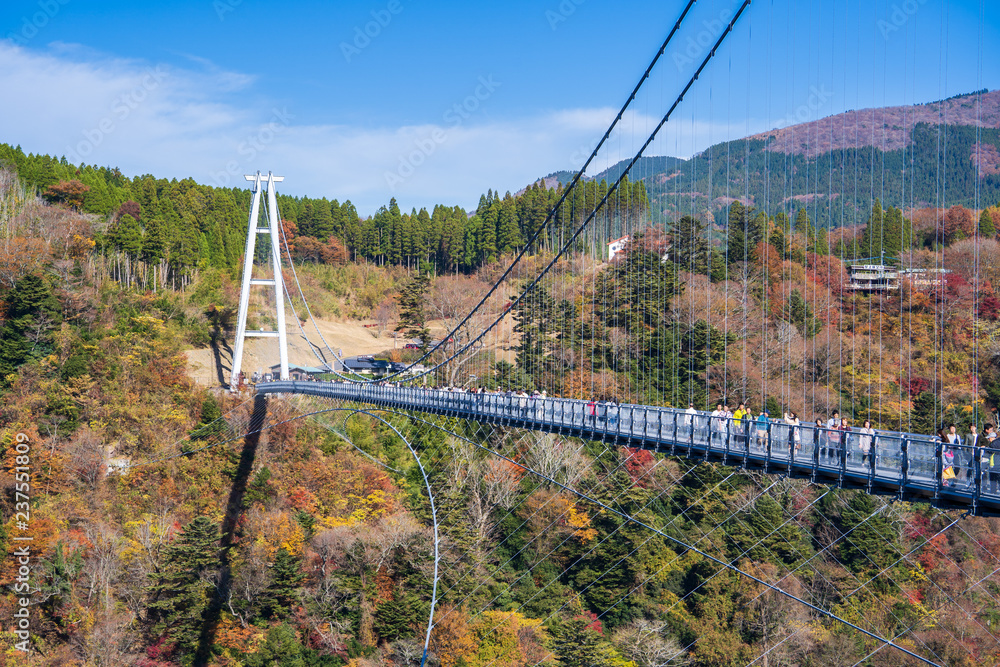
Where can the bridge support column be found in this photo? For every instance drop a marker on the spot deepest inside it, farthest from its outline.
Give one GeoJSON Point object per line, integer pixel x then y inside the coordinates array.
{"type": "Point", "coordinates": [273, 229]}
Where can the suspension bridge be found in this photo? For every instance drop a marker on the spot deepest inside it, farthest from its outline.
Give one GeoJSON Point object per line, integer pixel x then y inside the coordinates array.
{"type": "Point", "coordinates": [626, 335]}
{"type": "Point", "coordinates": [904, 465]}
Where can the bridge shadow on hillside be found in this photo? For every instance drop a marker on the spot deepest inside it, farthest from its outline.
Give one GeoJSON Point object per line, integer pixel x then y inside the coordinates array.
{"type": "Point", "coordinates": [234, 510]}
{"type": "Point", "coordinates": [221, 370]}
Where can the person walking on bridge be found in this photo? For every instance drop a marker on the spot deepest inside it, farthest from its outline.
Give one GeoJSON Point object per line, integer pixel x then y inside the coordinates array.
{"type": "Point", "coordinates": [794, 434]}
{"type": "Point", "coordinates": [613, 409]}
{"type": "Point", "coordinates": [845, 441]}
{"type": "Point", "coordinates": [991, 458]}
{"type": "Point", "coordinates": [947, 458]}
{"type": "Point", "coordinates": [739, 427]}
{"type": "Point", "coordinates": [867, 444]}
{"type": "Point", "coordinates": [954, 446]}
{"type": "Point", "coordinates": [972, 445]}
{"type": "Point", "coordinates": [829, 439]}
{"type": "Point", "coordinates": [690, 421]}
{"type": "Point", "coordinates": [762, 430]}
{"type": "Point", "coordinates": [718, 419]}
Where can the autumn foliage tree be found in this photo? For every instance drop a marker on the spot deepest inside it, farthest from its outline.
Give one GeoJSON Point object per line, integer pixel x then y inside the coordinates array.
{"type": "Point", "coordinates": [71, 193]}
{"type": "Point", "coordinates": [958, 224]}
{"type": "Point", "coordinates": [452, 639]}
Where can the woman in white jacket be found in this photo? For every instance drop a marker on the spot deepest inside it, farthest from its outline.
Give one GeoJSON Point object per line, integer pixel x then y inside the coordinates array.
{"type": "Point", "coordinates": [792, 420]}
{"type": "Point", "coordinates": [867, 443]}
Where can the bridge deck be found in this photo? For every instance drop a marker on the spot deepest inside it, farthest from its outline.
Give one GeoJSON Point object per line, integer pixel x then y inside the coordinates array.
{"type": "Point", "coordinates": [904, 465]}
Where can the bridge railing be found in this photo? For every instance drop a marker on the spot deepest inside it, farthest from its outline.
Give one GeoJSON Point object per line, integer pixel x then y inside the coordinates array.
{"type": "Point", "coordinates": [894, 460]}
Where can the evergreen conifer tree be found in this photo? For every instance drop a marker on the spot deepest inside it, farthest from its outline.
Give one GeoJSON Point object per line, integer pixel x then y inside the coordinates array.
{"type": "Point", "coordinates": [322, 221]}
{"type": "Point", "coordinates": [804, 226]}
{"type": "Point", "coordinates": [987, 229]}
{"type": "Point", "coordinates": [577, 645]}
{"type": "Point", "coordinates": [926, 413]}
{"type": "Point", "coordinates": [286, 576]}
{"type": "Point", "coordinates": [180, 592]}
{"type": "Point", "coordinates": [508, 232]}
{"type": "Point", "coordinates": [412, 317]}
{"type": "Point", "coordinates": [487, 242]}
{"type": "Point", "coordinates": [873, 542]}
{"type": "Point", "coordinates": [689, 246]}
{"type": "Point", "coordinates": [281, 648]}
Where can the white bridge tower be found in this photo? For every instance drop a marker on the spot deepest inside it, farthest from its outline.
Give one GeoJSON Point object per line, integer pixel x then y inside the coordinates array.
{"type": "Point", "coordinates": [277, 282]}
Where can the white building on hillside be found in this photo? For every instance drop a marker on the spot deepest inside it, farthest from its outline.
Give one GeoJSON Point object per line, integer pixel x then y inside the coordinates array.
{"type": "Point", "coordinates": [616, 246]}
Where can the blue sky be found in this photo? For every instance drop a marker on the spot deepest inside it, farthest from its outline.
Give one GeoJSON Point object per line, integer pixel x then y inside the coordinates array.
{"type": "Point", "coordinates": [436, 102]}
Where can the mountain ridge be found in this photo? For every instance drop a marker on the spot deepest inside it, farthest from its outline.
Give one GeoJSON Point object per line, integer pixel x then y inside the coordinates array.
{"type": "Point", "coordinates": [897, 123]}
{"type": "Point", "coordinates": [838, 165]}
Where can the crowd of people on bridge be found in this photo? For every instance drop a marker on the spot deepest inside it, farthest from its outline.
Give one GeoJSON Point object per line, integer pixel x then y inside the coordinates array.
{"type": "Point", "coordinates": [835, 440]}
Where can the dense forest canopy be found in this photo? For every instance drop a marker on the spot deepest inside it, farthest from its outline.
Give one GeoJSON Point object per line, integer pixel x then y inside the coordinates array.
{"type": "Point", "coordinates": [181, 225]}
{"type": "Point", "coordinates": [313, 545]}
{"type": "Point", "coordinates": [838, 187]}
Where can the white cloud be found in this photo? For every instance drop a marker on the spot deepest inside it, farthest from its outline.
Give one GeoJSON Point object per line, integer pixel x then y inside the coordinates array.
{"type": "Point", "coordinates": [173, 122]}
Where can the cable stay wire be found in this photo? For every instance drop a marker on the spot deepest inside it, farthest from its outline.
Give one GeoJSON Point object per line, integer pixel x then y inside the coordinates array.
{"type": "Point", "coordinates": [437, 540]}
{"type": "Point", "coordinates": [542, 228]}
{"type": "Point", "coordinates": [611, 190]}
{"type": "Point", "coordinates": [845, 536]}
{"type": "Point", "coordinates": [718, 572]}
{"type": "Point", "coordinates": [636, 549]}
{"type": "Point", "coordinates": [675, 518]}
{"type": "Point", "coordinates": [700, 552]}
{"type": "Point", "coordinates": [622, 514]}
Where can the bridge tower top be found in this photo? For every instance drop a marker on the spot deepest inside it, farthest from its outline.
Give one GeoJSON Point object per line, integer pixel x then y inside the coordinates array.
{"type": "Point", "coordinates": [273, 230]}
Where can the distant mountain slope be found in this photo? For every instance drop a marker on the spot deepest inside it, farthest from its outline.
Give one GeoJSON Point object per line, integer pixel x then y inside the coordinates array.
{"type": "Point", "coordinates": [887, 128]}
{"type": "Point", "coordinates": [923, 155]}
{"type": "Point", "coordinates": [644, 167]}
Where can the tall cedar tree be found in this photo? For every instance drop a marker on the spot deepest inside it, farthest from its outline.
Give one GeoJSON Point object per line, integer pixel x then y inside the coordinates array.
{"type": "Point", "coordinates": [180, 592]}
{"type": "Point", "coordinates": [886, 235]}
{"type": "Point", "coordinates": [643, 285]}
{"type": "Point", "coordinates": [286, 576]}
{"type": "Point", "coordinates": [779, 231]}
{"type": "Point", "coordinates": [926, 413]}
{"type": "Point", "coordinates": [987, 229]}
{"type": "Point", "coordinates": [797, 311]}
{"type": "Point", "coordinates": [536, 318]}
{"type": "Point", "coordinates": [690, 245]}
{"type": "Point", "coordinates": [578, 645]}
{"type": "Point", "coordinates": [805, 226]}
{"type": "Point", "coordinates": [745, 231]}
{"type": "Point", "coordinates": [32, 313]}
{"type": "Point", "coordinates": [412, 317]}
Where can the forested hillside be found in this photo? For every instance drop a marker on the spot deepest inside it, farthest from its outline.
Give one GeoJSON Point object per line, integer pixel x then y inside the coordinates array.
{"type": "Point", "coordinates": [837, 166]}
{"type": "Point", "coordinates": [157, 540]}
{"type": "Point", "coordinates": [175, 226]}
{"type": "Point", "coordinates": [838, 187]}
